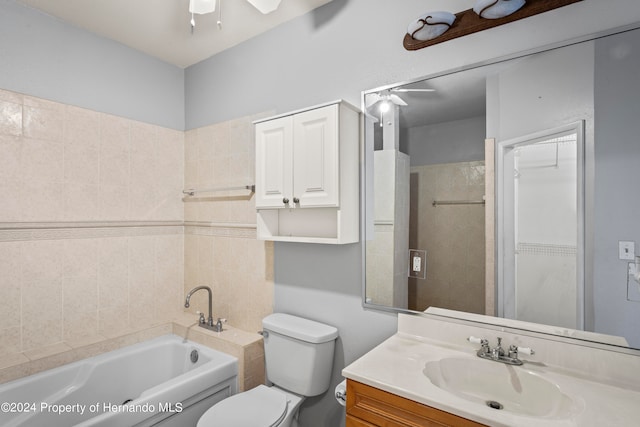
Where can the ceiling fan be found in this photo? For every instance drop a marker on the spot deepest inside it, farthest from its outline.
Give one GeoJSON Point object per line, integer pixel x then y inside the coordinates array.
{"type": "Point", "coordinates": [384, 100]}
{"type": "Point", "coordinates": [201, 7]}
{"type": "Point", "coordinates": [387, 97]}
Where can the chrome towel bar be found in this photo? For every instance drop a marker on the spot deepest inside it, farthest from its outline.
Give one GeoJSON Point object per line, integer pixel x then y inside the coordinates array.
{"type": "Point", "coordinates": [192, 191]}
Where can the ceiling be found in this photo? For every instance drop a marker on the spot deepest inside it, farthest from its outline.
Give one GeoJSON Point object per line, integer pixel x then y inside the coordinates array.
{"type": "Point", "coordinates": [161, 28]}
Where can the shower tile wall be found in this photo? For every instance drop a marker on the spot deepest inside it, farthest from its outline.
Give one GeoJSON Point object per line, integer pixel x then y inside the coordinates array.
{"type": "Point", "coordinates": [221, 249]}
{"type": "Point", "coordinates": [61, 166]}
{"type": "Point", "coordinates": [452, 235]}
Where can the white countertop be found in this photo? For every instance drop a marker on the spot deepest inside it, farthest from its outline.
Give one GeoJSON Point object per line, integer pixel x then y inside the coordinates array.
{"type": "Point", "coordinates": [396, 366]}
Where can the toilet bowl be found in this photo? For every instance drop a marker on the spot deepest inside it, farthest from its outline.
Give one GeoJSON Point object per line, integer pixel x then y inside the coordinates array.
{"type": "Point", "coordinates": [298, 360]}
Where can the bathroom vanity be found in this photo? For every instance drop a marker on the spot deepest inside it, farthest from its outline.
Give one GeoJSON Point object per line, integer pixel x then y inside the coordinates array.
{"type": "Point", "coordinates": [367, 406]}
{"type": "Point", "coordinates": [429, 373]}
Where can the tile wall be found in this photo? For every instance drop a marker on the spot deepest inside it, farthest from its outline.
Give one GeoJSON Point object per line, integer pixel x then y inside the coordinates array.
{"type": "Point", "coordinates": [91, 231]}
{"type": "Point", "coordinates": [96, 240]}
{"type": "Point", "coordinates": [452, 235]}
{"type": "Point", "coordinates": [221, 250]}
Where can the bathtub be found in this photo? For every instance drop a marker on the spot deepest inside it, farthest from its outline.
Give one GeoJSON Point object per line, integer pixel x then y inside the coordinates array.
{"type": "Point", "coordinates": [153, 383]}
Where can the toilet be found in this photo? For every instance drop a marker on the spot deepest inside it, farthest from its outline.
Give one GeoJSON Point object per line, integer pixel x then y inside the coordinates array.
{"type": "Point", "coordinates": [299, 359]}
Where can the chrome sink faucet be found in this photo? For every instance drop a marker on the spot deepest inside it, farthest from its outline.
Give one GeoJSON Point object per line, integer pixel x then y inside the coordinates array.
{"type": "Point", "coordinates": [498, 354]}
{"type": "Point", "coordinates": [497, 351]}
{"type": "Point", "coordinates": [208, 324]}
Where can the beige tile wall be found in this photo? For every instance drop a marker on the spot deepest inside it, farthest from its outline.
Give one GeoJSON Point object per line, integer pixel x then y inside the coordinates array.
{"type": "Point", "coordinates": [63, 284]}
{"type": "Point", "coordinates": [66, 165]}
{"type": "Point", "coordinates": [221, 250]}
{"type": "Point", "coordinates": [452, 235]}
{"type": "Point", "coordinates": [63, 163]}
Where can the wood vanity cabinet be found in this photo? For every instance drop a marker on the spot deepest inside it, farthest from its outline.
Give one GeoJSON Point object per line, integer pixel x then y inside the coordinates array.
{"type": "Point", "coordinates": [368, 407]}
{"type": "Point", "coordinates": [307, 175]}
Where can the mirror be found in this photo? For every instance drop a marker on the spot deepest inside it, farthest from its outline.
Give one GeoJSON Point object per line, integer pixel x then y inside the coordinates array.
{"type": "Point", "coordinates": [464, 191]}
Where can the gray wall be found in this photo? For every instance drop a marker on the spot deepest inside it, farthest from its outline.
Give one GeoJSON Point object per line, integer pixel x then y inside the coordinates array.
{"type": "Point", "coordinates": [448, 142]}
{"type": "Point", "coordinates": [348, 46]}
{"type": "Point", "coordinates": [617, 176]}
{"type": "Point", "coordinates": [43, 57]}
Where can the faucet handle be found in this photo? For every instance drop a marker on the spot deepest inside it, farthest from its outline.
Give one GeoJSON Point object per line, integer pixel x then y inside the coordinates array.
{"type": "Point", "coordinates": [202, 321]}
{"type": "Point", "coordinates": [219, 323]}
{"type": "Point", "coordinates": [484, 344]}
{"type": "Point", "coordinates": [514, 350]}
{"type": "Point", "coordinates": [476, 340]}
{"type": "Point", "coordinates": [526, 350]}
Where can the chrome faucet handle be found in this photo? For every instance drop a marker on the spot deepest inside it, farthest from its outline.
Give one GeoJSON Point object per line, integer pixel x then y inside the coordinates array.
{"type": "Point", "coordinates": [484, 344]}
{"type": "Point", "coordinates": [513, 351]}
{"type": "Point", "coordinates": [202, 321]}
{"type": "Point", "coordinates": [476, 340]}
{"type": "Point", "coordinates": [219, 324]}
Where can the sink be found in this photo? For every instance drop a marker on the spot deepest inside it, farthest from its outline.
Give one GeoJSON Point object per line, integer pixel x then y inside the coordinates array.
{"type": "Point", "coordinates": [499, 386]}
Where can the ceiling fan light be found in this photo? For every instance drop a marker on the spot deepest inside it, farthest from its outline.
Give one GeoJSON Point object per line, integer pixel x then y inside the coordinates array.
{"type": "Point", "coordinates": [265, 6]}
{"type": "Point", "coordinates": [384, 106]}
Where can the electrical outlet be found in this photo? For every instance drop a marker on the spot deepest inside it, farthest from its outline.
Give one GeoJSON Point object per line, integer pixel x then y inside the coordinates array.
{"type": "Point", "coordinates": [417, 263]}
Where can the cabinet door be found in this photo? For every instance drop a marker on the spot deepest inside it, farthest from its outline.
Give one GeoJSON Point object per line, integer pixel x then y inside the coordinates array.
{"type": "Point", "coordinates": [315, 157]}
{"type": "Point", "coordinates": [273, 163]}
{"type": "Point", "coordinates": [375, 407]}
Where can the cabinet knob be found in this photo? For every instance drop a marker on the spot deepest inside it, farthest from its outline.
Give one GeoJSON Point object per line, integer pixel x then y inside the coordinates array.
{"type": "Point", "coordinates": [296, 200]}
{"type": "Point", "coordinates": [285, 201]}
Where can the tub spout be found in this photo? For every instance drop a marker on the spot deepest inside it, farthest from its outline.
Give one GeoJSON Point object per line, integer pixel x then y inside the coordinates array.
{"type": "Point", "coordinates": [209, 323]}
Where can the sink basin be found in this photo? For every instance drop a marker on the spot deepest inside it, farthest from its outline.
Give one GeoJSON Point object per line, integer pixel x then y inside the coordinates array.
{"type": "Point", "coordinates": [499, 386]}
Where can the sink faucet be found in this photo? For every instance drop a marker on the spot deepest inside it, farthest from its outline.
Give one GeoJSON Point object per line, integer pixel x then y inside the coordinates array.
{"type": "Point", "coordinates": [497, 351]}
{"type": "Point", "coordinates": [498, 354]}
{"type": "Point", "coordinates": [208, 324]}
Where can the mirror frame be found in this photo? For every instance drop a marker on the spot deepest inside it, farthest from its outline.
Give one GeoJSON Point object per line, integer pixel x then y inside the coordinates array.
{"type": "Point", "coordinates": [589, 339]}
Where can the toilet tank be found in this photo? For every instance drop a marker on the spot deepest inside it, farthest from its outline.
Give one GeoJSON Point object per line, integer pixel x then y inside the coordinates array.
{"type": "Point", "coordinates": [298, 353]}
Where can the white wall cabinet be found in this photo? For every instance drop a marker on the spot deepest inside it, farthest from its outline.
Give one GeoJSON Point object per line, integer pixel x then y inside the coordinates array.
{"type": "Point", "coordinates": [307, 175]}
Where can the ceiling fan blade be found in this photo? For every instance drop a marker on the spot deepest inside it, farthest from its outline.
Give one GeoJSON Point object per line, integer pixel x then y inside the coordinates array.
{"type": "Point", "coordinates": [404, 90]}
{"type": "Point", "coordinates": [265, 6]}
{"type": "Point", "coordinates": [202, 6]}
{"type": "Point", "coordinates": [371, 99]}
{"type": "Point", "coordinates": [397, 100]}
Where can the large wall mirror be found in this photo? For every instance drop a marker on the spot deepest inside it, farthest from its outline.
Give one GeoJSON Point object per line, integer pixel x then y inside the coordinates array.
{"type": "Point", "coordinates": [505, 190]}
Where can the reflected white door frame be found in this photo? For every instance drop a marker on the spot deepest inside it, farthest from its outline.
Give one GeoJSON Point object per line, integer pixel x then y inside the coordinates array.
{"type": "Point", "coordinates": [506, 218]}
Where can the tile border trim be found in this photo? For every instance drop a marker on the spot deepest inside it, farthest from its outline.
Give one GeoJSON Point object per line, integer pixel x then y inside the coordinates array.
{"type": "Point", "coordinates": [244, 231]}
{"type": "Point", "coordinates": [27, 231]}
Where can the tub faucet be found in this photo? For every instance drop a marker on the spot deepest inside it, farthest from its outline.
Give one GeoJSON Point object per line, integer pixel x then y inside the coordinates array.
{"type": "Point", "coordinates": [209, 322]}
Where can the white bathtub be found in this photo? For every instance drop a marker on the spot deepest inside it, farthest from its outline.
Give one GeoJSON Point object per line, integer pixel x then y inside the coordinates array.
{"type": "Point", "coordinates": [165, 387]}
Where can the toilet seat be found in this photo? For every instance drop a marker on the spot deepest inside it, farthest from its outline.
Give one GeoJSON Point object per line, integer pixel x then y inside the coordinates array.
{"type": "Point", "coordinates": [258, 407]}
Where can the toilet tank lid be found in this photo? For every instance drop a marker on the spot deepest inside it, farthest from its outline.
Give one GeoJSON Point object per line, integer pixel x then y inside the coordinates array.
{"type": "Point", "coordinates": [299, 328]}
